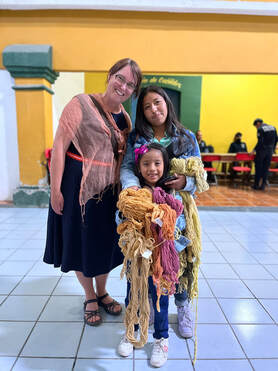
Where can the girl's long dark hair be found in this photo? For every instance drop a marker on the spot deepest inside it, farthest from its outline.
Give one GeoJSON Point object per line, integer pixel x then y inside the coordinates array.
{"type": "Point", "coordinates": [142, 125]}
{"type": "Point", "coordinates": [166, 162]}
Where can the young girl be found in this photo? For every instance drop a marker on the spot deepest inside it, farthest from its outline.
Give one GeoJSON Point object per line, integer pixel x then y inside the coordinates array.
{"type": "Point", "coordinates": [151, 167]}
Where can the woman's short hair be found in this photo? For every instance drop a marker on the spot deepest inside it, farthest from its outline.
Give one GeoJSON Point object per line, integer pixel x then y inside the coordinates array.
{"type": "Point", "coordinates": [137, 74]}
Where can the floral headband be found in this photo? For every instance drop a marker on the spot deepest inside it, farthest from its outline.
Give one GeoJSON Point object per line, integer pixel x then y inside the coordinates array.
{"type": "Point", "coordinates": [140, 151]}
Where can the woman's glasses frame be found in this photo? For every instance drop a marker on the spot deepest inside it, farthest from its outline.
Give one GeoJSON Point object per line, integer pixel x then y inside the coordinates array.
{"type": "Point", "coordinates": [121, 80]}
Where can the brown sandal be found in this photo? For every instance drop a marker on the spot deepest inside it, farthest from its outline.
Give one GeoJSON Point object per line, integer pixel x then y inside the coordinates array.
{"type": "Point", "coordinates": [109, 307]}
{"type": "Point", "coordinates": [91, 313]}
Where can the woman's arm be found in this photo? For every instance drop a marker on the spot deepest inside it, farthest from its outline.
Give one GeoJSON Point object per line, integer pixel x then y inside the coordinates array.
{"type": "Point", "coordinates": [127, 176]}
{"type": "Point", "coordinates": [60, 146]}
{"type": "Point", "coordinates": [68, 123]}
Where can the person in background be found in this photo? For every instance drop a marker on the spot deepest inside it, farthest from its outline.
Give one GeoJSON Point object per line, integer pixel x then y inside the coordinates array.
{"type": "Point", "coordinates": [265, 147]}
{"type": "Point", "coordinates": [201, 142]}
{"type": "Point", "coordinates": [87, 153]}
{"type": "Point", "coordinates": [205, 149]}
{"type": "Point", "coordinates": [237, 145]}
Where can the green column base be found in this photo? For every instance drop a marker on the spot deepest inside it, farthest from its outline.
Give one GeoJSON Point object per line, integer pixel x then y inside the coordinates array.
{"type": "Point", "coordinates": [31, 196]}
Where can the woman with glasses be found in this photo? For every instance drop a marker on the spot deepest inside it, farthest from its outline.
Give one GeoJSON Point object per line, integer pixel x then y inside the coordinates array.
{"type": "Point", "coordinates": [87, 153]}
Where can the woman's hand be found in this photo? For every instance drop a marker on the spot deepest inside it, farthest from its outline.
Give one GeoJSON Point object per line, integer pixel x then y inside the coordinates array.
{"type": "Point", "coordinates": [178, 183]}
{"type": "Point", "coordinates": [134, 187]}
{"type": "Point", "coordinates": [57, 202]}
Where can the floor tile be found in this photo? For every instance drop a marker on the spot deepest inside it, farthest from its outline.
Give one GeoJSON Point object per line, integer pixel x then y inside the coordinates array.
{"type": "Point", "coordinates": [43, 269]}
{"type": "Point", "coordinates": [225, 237]}
{"type": "Point", "coordinates": [53, 364]}
{"type": "Point", "coordinates": [251, 271]}
{"type": "Point", "coordinates": [211, 344]}
{"type": "Point", "coordinates": [104, 364]}
{"type": "Point", "coordinates": [271, 305]}
{"type": "Point", "coordinates": [34, 285]}
{"type": "Point", "coordinates": [68, 286]}
{"type": "Point", "coordinates": [11, 244]}
{"type": "Point", "coordinates": [116, 287]}
{"type": "Point", "coordinates": [212, 257]}
{"type": "Point", "coordinates": [251, 336]}
{"type": "Point", "coordinates": [116, 272]}
{"type": "Point", "coordinates": [23, 254]}
{"type": "Point", "coordinates": [209, 247]}
{"type": "Point", "coordinates": [5, 253]}
{"type": "Point", "coordinates": [2, 298]}
{"type": "Point", "coordinates": [239, 257]}
{"type": "Point", "coordinates": [22, 308]}
{"type": "Point", "coordinates": [204, 290]}
{"type": "Point", "coordinates": [265, 364]}
{"type": "Point", "coordinates": [12, 337]}
{"type": "Point", "coordinates": [63, 308]}
{"type": "Point", "coordinates": [223, 365]}
{"type": "Point", "coordinates": [258, 247]}
{"type": "Point", "coordinates": [10, 268]}
{"type": "Point", "coordinates": [39, 235]}
{"type": "Point", "coordinates": [19, 235]}
{"type": "Point", "coordinates": [97, 342]}
{"type": "Point", "coordinates": [209, 311]}
{"type": "Point", "coordinates": [53, 340]}
{"type": "Point", "coordinates": [3, 233]}
{"type": "Point", "coordinates": [217, 271]}
{"type": "Point", "coordinates": [229, 289]}
{"type": "Point", "coordinates": [8, 283]}
{"type": "Point", "coordinates": [229, 246]}
{"type": "Point", "coordinates": [34, 244]}
{"type": "Point", "coordinates": [171, 364]}
{"type": "Point", "coordinates": [267, 289]}
{"type": "Point", "coordinates": [7, 226]}
{"type": "Point", "coordinates": [244, 311]}
{"type": "Point", "coordinates": [273, 269]}
{"type": "Point", "coordinates": [6, 363]}
{"type": "Point", "coordinates": [266, 258]}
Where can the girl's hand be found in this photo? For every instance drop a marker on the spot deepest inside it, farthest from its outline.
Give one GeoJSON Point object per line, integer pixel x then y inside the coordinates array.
{"type": "Point", "coordinates": [57, 202]}
{"type": "Point", "coordinates": [134, 187]}
{"type": "Point", "coordinates": [178, 183]}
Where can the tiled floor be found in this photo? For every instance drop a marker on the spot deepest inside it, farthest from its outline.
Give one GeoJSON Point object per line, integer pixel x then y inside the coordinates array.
{"type": "Point", "coordinates": [238, 196]}
{"type": "Point", "coordinates": [41, 324]}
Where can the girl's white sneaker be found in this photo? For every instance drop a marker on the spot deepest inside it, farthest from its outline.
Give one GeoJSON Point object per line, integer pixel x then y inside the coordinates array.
{"type": "Point", "coordinates": [125, 347]}
{"type": "Point", "coordinates": [159, 352]}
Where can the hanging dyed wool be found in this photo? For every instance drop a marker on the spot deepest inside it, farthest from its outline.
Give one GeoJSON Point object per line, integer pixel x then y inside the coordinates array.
{"type": "Point", "coordinates": [190, 258]}
{"type": "Point", "coordinates": [147, 227]}
{"type": "Point", "coordinates": [166, 261]}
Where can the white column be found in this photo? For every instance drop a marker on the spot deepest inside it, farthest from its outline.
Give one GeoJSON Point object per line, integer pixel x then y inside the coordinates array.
{"type": "Point", "coordinates": [9, 163]}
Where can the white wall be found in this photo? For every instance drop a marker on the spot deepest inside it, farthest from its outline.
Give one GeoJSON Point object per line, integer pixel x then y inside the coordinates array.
{"type": "Point", "coordinates": [67, 85]}
{"type": "Point", "coordinates": [9, 164]}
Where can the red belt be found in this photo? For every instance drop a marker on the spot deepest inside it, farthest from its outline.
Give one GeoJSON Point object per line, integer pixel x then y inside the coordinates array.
{"type": "Point", "coordinates": [81, 159]}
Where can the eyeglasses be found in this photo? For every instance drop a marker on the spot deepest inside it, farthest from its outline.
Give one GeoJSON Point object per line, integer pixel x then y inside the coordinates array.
{"type": "Point", "coordinates": [121, 79]}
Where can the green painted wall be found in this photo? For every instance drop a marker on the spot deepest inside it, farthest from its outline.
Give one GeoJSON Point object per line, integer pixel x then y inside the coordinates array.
{"type": "Point", "coordinates": [188, 90]}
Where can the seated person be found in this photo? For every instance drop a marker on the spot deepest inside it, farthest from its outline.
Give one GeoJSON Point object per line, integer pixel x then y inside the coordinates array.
{"type": "Point", "coordinates": [205, 149]}
{"type": "Point", "coordinates": [202, 143]}
{"type": "Point", "coordinates": [237, 145]}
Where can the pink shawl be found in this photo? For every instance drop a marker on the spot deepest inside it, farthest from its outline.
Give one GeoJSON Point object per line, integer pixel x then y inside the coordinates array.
{"type": "Point", "coordinates": [82, 122]}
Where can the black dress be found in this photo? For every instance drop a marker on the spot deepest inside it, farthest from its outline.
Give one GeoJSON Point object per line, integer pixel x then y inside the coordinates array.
{"type": "Point", "coordinates": [89, 246]}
